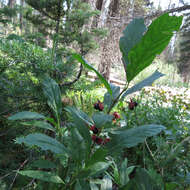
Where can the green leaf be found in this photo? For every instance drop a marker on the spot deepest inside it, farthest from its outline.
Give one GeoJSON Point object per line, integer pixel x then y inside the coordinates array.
{"type": "Point", "coordinates": [106, 184]}
{"type": "Point", "coordinates": [146, 82]}
{"type": "Point", "coordinates": [94, 169]}
{"type": "Point", "coordinates": [124, 172]}
{"type": "Point", "coordinates": [152, 43]}
{"type": "Point", "coordinates": [78, 186]}
{"type": "Point", "coordinates": [40, 124]}
{"type": "Point", "coordinates": [52, 92]}
{"type": "Point", "coordinates": [77, 146]}
{"type": "Point", "coordinates": [26, 115]}
{"type": "Point", "coordinates": [44, 142]}
{"type": "Point", "coordinates": [85, 64]}
{"type": "Point", "coordinates": [98, 156]}
{"type": "Point", "coordinates": [101, 119]}
{"type": "Point", "coordinates": [171, 186]}
{"type": "Point", "coordinates": [44, 176]}
{"type": "Point", "coordinates": [43, 164]}
{"type": "Point", "coordinates": [78, 115]}
{"type": "Point", "coordinates": [131, 137]}
{"type": "Point", "coordinates": [142, 181]}
{"type": "Point", "coordinates": [132, 35]}
{"type": "Point", "coordinates": [82, 185]}
{"type": "Point", "coordinates": [108, 99]}
{"type": "Point", "coordinates": [81, 122]}
{"type": "Point", "coordinates": [93, 186]}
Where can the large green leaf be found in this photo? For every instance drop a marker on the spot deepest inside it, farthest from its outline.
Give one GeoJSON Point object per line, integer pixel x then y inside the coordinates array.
{"type": "Point", "coordinates": [146, 82]}
{"type": "Point", "coordinates": [52, 92]}
{"type": "Point", "coordinates": [98, 156]}
{"type": "Point", "coordinates": [43, 164]}
{"type": "Point", "coordinates": [94, 169]}
{"type": "Point", "coordinates": [44, 176]}
{"type": "Point", "coordinates": [131, 36]}
{"type": "Point", "coordinates": [44, 142]}
{"type": "Point", "coordinates": [142, 181]}
{"type": "Point", "coordinates": [85, 64]}
{"type": "Point", "coordinates": [152, 43]}
{"type": "Point", "coordinates": [124, 172]}
{"type": "Point", "coordinates": [77, 146]}
{"type": "Point", "coordinates": [40, 124]}
{"type": "Point", "coordinates": [131, 137]}
{"type": "Point", "coordinates": [26, 115]}
{"type": "Point", "coordinates": [101, 119]}
{"type": "Point", "coordinates": [82, 122]}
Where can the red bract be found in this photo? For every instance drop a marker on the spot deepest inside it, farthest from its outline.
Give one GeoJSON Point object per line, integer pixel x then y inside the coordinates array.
{"type": "Point", "coordinates": [116, 115]}
{"type": "Point", "coordinates": [97, 140]}
{"type": "Point", "coordinates": [99, 106]}
{"type": "Point", "coordinates": [94, 129]}
{"type": "Point", "coordinates": [132, 104]}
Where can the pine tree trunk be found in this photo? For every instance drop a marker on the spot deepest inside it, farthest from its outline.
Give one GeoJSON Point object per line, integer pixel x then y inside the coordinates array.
{"type": "Point", "coordinates": [11, 3]}
{"type": "Point", "coordinates": [21, 15]}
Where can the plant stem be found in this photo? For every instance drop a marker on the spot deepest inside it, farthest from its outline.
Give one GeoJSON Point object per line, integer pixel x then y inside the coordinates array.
{"type": "Point", "coordinates": [117, 98]}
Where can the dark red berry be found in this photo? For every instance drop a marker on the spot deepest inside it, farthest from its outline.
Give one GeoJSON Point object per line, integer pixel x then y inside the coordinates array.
{"type": "Point", "coordinates": [94, 129]}
{"type": "Point", "coordinates": [96, 106]}
{"type": "Point", "coordinates": [116, 115]}
{"type": "Point", "coordinates": [99, 106]}
{"type": "Point", "coordinates": [132, 104]}
{"type": "Point", "coordinates": [97, 140]}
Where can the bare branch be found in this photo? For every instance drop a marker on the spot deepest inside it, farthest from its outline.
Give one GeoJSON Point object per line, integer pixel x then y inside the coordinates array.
{"type": "Point", "coordinates": [158, 13]}
{"type": "Point", "coordinates": [75, 80]}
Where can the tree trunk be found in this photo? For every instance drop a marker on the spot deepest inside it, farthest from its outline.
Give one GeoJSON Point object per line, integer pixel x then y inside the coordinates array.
{"type": "Point", "coordinates": [104, 13]}
{"type": "Point", "coordinates": [21, 15]}
{"type": "Point", "coordinates": [11, 3]}
{"type": "Point", "coordinates": [105, 65]}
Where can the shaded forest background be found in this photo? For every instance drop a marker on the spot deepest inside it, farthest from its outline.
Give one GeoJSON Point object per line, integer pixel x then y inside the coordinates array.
{"type": "Point", "coordinates": [39, 25]}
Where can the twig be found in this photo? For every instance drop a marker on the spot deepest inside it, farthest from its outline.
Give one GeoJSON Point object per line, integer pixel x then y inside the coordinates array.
{"type": "Point", "coordinates": [28, 185]}
{"type": "Point", "coordinates": [21, 166]}
{"type": "Point", "coordinates": [6, 175]}
{"type": "Point", "coordinates": [149, 150]}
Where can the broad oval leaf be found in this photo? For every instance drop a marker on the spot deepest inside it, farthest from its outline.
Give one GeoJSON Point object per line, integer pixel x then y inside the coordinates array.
{"type": "Point", "coordinates": [131, 36]}
{"type": "Point", "coordinates": [101, 119]}
{"type": "Point", "coordinates": [152, 43]}
{"type": "Point", "coordinates": [40, 124]}
{"type": "Point", "coordinates": [81, 121]}
{"type": "Point", "coordinates": [44, 142]}
{"type": "Point", "coordinates": [52, 92]}
{"type": "Point", "coordinates": [98, 156]}
{"type": "Point", "coordinates": [44, 176]}
{"type": "Point", "coordinates": [85, 64]}
{"type": "Point", "coordinates": [26, 115]}
{"type": "Point", "coordinates": [131, 137]}
{"type": "Point", "coordinates": [43, 164]}
{"type": "Point", "coordinates": [146, 82]}
{"type": "Point", "coordinates": [94, 169]}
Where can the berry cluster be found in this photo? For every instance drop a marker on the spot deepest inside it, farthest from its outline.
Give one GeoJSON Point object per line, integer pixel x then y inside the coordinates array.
{"type": "Point", "coordinates": [116, 115]}
{"type": "Point", "coordinates": [99, 140]}
{"type": "Point", "coordinates": [99, 106]}
{"type": "Point", "coordinates": [132, 104]}
{"type": "Point", "coordinates": [94, 129]}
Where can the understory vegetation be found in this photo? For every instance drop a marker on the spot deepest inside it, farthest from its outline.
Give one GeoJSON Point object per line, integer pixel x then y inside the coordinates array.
{"type": "Point", "coordinates": [61, 131]}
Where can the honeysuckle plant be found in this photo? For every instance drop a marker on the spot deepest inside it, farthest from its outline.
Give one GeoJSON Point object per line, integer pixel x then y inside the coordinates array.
{"type": "Point", "coordinates": [84, 148]}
